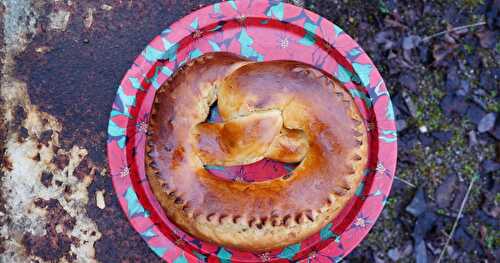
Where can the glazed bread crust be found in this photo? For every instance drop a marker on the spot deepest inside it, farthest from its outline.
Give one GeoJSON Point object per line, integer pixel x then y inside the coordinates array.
{"type": "Point", "coordinates": [296, 112]}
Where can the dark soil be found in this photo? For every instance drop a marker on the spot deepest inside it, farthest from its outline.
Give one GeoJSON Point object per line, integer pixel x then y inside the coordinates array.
{"type": "Point", "coordinates": [445, 89]}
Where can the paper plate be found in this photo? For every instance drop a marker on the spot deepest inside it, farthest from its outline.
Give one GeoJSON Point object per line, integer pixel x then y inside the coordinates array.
{"type": "Point", "coordinates": [260, 31]}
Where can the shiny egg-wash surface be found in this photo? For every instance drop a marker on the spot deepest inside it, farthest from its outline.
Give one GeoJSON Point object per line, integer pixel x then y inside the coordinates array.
{"type": "Point", "coordinates": [281, 110]}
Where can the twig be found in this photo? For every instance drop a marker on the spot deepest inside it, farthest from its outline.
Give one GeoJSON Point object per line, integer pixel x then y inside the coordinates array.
{"type": "Point", "coordinates": [405, 182]}
{"type": "Point", "coordinates": [444, 233]}
{"type": "Point", "coordinates": [427, 38]}
{"type": "Point", "coordinates": [457, 219]}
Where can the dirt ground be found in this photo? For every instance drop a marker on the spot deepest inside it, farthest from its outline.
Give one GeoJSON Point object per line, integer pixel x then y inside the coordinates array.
{"type": "Point", "coordinates": [61, 61]}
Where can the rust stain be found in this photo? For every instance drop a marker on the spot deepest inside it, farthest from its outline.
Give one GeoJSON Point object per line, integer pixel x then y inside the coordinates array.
{"type": "Point", "coordinates": [30, 230]}
{"type": "Point", "coordinates": [54, 244]}
{"type": "Point", "coordinates": [59, 78]}
{"type": "Point", "coordinates": [76, 80]}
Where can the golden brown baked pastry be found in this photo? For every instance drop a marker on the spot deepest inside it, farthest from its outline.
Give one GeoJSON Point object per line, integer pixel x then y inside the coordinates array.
{"type": "Point", "coordinates": [242, 140]}
{"type": "Point", "coordinates": [282, 110]}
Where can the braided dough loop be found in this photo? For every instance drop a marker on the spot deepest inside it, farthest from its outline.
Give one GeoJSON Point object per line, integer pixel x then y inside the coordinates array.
{"type": "Point", "coordinates": [277, 106]}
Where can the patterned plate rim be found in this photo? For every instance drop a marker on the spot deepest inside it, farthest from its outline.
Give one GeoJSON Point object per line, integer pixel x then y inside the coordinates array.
{"type": "Point", "coordinates": [144, 73]}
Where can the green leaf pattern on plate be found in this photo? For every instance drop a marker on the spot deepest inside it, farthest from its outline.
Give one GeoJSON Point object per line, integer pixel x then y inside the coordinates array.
{"type": "Point", "coordinates": [326, 232]}
{"type": "Point", "coordinates": [194, 24]}
{"type": "Point", "coordinates": [134, 206]}
{"type": "Point", "coordinates": [290, 251]}
{"type": "Point", "coordinates": [224, 255]}
{"type": "Point", "coordinates": [246, 46]}
{"type": "Point", "coordinates": [160, 251]}
{"type": "Point", "coordinates": [276, 11]}
{"type": "Point", "coordinates": [356, 93]}
{"type": "Point", "coordinates": [215, 46]}
{"type": "Point", "coordinates": [363, 71]}
{"type": "Point", "coordinates": [388, 136]}
{"type": "Point", "coordinates": [309, 38]}
{"type": "Point", "coordinates": [181, 259]}
{"type": "Point", "coordinates": [343, 75]}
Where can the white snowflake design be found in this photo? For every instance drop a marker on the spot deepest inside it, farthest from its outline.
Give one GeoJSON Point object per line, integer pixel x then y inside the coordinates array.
{"type": "Point", "coordinates": [142, 127]}
{"type": "Point", "coordinates": [380, 168]}
{"type": "Point", "coordinates": [125, 171]}
{"type": "Point", "coordinates": [284, 42]}
{"type": "Point", "coordinates": [361, 222]}
{"type": "Point", "coordinates": [265, 257]}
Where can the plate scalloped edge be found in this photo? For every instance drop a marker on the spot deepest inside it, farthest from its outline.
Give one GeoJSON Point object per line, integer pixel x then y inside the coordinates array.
{"type": "Point", "coordinates": [237, 26]}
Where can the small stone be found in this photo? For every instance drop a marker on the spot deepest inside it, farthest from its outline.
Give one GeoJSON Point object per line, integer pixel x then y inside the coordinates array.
{"type": "Point", "coordinates": [85, 40]}
{"type": "Point", "coordinates": [472, 138]}
{"type": "Point", "coordinates": [408, 81]}
{"type": "Point", "coordinates": [407, 158]}
{"type": "Point", "coordinates": [412, 108]}
{"type": "Point", "coordinates": [490, 166]}
{"type": "Point", "coordinates": [99, 198]}
{"type": "Point", "coordinates": [421, 252]}
{"type": "Point", "coordinates": [391, 55]}
{"type": "Point", "coordinates": [423, 129]}
{"type": "Point", "coordinates": [42, 49]}
{"type": "Point", "coordinates": [425, 139]}
{"type": "Point", "coordinates": [378, 258]}
{"type": "Point", "coordinates": [407, 250]}
{"type": "Point", "coordinates": [465, 240]}
{"type": "Point", "coordinates": [425, 222]}
{"type": "Point", "coordinates": [453, 103]}
{"type": "Point", "coordinates": [475, 114]}
{"type": "Point", "coordinates": [486, 219]}
{"type": "Point", "coordinates": [452, 79]}
{"type": "Point", "coordinates": [450, 250]}
{"type": "Point", "coordinates": [464, 88]}
{"type": "Point", "coordinates": [487, 39]}
{"type": "Point", "coordinates": [410, 42]}
{"type": "Point", "coordinates": [106, 7]}
{"type": "Point", "coordinates": [385, 38]}
{"type": "Point", "coordinates": [443, 136]}
{"type": "Point", "coordinates": [452, 253]}
{"type": "Point", "coordinates": [487, 122]}
{"type": "Point", "coordinates": [418, 204]}
{"type": "Point", "coordinates": [480, 92]}
{"type": "Point", "coordinates": [394, 254]}
{"type": "Point", "coordinates": [401, 125]}
{"type": "Point", "coordinates": [444, 193]}
{"type": "Point", "coordinates": [488, 79]}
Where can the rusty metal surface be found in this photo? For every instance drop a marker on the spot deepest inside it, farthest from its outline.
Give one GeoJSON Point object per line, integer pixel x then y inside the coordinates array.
{"type": "Point", "coordinates": [61, 64]}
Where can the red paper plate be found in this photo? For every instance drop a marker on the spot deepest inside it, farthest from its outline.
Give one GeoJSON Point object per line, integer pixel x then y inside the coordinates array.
{"type": "Point", "coordinates": [260, 31]}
